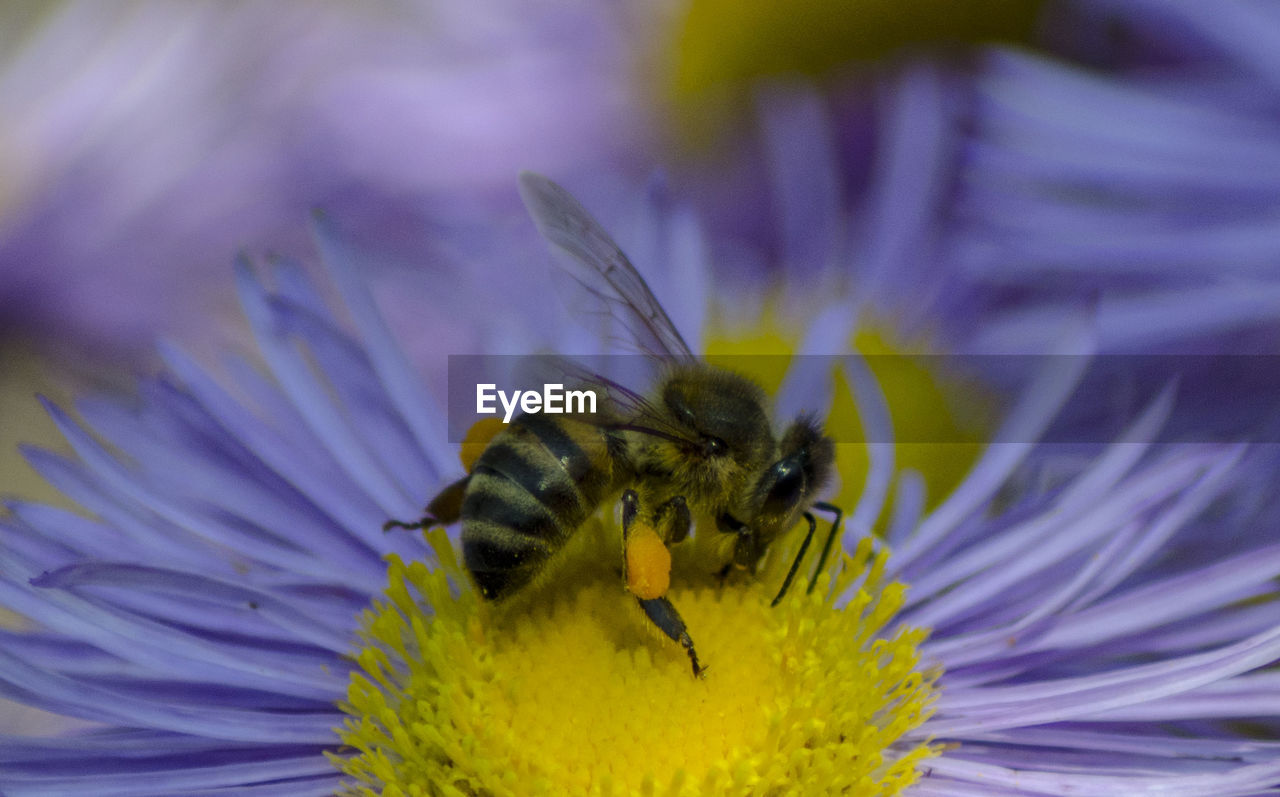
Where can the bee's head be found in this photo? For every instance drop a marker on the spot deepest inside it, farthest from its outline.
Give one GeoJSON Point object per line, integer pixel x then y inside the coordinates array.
{"type": "Point", "coordinates": [787, 488]}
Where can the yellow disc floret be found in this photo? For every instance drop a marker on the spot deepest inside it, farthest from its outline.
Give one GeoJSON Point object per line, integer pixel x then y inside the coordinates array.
{"type": "Point", "coordinates": [569, 691]}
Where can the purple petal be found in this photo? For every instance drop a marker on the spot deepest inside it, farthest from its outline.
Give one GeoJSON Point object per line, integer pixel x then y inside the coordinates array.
{"type": "Point", "coordinates": [279, 614]}
{"type": "Point", "coordinates": [910, 175]}
{"type": "Point", "coordinates": [908, 507]}
{"type": "Point", "coordinates": [307, 467]}
{"type": "Point", "coordinates": [1149, 606]}
{"type": "Point", "coordinates": [873, 412]}
{"type": "Point", "coordinates": [1009, 446]}
{"type": "Point", "coordinates": [349, 374]}
{"type": "Point", "coordinates": [422, 413]}
{"type": "Point", "coordinates": [1243, 780]}
{"type": "Point", "coordinates": [997, 707]}
{"type": "Point", "coordinates": [194, 458]}
{"type": "Point", "coordinates": [93, 702]}
{"type": "Point", "coordinates": [1083, 494]}
{"type": "Point", "coordinates": [801, 157]}
{"type": "Point", "coordinates": [808, 386]}
{"type": "Point", "coordinates": [311, 398]}
{"type": "Point", "coordinates": [237, 533]}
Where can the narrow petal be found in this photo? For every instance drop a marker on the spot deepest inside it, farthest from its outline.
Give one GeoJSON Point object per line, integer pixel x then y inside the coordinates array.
{"type": "Point", "coordinates": [992, 708]}
{"type": "Point", "coordinates": [873, 411]}
{"type": "Point", "coordinates": [93, 702]}
{"type": "Point", "coordinates": [1082, 494]}
{"type": "Point", "coordinates": [423, 414]}
{"type": "Point", "coordinates": [313, 400]}
{"type": "Point", "coordinates": [1010, 445]}
{"type": "Point", "coordinates": [801, 157]}
{"type": "Point", "coordinates": [1243, 780]}
{"type": "Point", "coordinates": [307, 467]}
{"type": "Point", "coordinates": [291, 619]}
{"type": "Point", "coordinates": [350, 375]}
{"type": "Point", "coordinates": [909, 177]}
{"type": "Point", "coordinates": [1161, 601]}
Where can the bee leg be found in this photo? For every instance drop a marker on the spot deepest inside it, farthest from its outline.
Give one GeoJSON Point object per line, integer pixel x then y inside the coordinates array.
{"type": "Point", "coordinates": [426, 523]}
{"type": "Point", "coordinates": [795, 564]}
{"type": "Point", "coordinates": [831, 538]}
{"type": "Point", "coordinates": [730, 525]}
{"type": "Point", "coordinates": [447, 506]}
{"type": "Point", "coordinates": [443, 509]}
{"type": "Point", "coordinates": [742, 549]}
{"type": "Point", "coordinates": [674, 520]}
{"type": "Point", "coordinates": [665, 617]}
{"type": "Point", "coordinates": [630, 507]}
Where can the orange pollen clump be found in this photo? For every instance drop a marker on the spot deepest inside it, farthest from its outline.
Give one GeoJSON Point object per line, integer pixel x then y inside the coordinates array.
{"type": "Point", "coordinates": [477, 440]}
{"type": "Point", "coordinates": [648, 563]}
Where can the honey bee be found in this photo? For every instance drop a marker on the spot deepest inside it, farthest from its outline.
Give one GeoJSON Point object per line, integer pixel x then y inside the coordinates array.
{"type": "Point", "coordinates": [702, 445]}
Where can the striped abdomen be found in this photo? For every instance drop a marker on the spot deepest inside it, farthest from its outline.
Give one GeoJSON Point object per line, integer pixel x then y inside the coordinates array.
{"type": "Point", "coordinates": [530, 489]}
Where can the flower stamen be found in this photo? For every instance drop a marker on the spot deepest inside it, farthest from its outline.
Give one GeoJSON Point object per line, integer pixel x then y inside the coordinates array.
{"type": "Point", "coordinates": [566, 689]}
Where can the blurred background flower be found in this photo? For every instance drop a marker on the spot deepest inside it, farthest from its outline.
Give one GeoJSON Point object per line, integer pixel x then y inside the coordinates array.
{"type": "Point", "coordinates": [978, 172]}
{"type": "Point", "coordinates": [143, 144]}
{"type": "Point", "coordinates": [1125, 159]}
{"type": "Point", "coordinates": [979, 169]}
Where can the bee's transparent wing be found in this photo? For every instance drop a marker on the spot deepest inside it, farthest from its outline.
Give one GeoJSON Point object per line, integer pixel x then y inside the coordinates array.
{"type": "Point", "coordinates": [620, 407]}
{"type": "Point", "coordinates": [600, 269]}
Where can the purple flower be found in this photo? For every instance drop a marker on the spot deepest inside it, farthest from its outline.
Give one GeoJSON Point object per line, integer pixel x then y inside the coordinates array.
{"type": "Point", "coordinates": [204, 617]}
{"type": "Point", "coordinates": [143, 145]}
{"type": "Point", "coordinates": [1145, 187]}
{"type": "Point", "coordinates": [1126, 168]}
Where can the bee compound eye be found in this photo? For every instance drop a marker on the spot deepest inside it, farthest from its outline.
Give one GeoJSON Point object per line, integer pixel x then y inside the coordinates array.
{"type": "Point", "coordinates": [714, 447]}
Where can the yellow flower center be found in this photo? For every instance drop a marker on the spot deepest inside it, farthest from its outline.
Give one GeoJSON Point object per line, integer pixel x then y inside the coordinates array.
{"type": "Point", "coordinates": [716, 50]}
{"type": "Point", "coordinates": [566, 689]}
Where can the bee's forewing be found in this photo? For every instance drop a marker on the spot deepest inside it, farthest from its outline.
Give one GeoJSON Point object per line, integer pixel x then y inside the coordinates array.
{"type": "Point", "coordinates": [620, 407]}
{"type": "Point", "coordinates": [598, 268]}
